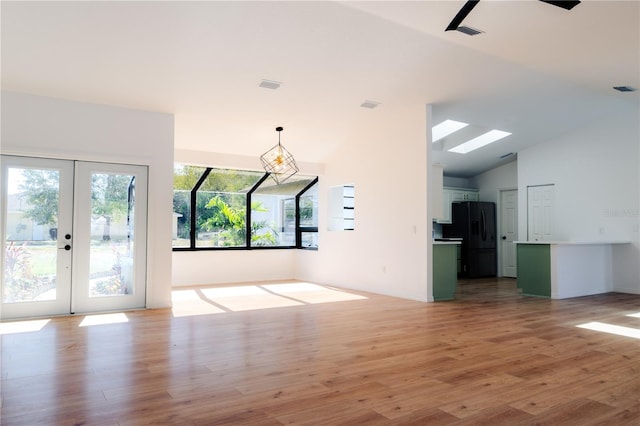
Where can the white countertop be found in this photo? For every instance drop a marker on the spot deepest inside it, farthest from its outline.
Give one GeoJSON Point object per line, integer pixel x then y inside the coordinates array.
{"type": "Point", "coordinates": [572, 243]}
{"type": "Point", "coordinates": [443, 243]}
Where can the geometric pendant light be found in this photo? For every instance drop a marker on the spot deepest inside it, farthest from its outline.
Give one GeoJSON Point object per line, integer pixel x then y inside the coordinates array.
{"type": "Point", "coordinates": [278, 162]}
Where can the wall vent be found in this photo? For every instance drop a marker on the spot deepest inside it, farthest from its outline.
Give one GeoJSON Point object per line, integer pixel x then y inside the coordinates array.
{"type": "Point", "coordinates": [369, 104]}
{"type": "Point", "coordinates": [270, 84]}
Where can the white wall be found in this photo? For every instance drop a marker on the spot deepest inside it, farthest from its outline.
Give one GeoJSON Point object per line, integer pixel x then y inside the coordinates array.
{"type": "Point", "coordinates": [491, 182]}
{"type": "Point", "coordinates": [596, 174]}
{"type": "Point", "coordinates": [232, 266]}
{"type": "Point", "coordinates": [53, 128]}
{"type": "Point", "coordinates": [458, 182]}
{"type": "Point", "coordinates": [386, 160]}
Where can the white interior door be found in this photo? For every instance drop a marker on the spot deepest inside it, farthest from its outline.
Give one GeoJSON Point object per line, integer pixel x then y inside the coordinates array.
{"type": "Point", "coordinates": [540, 213]}
{"type": "Point", "coordinates": [73, 235]}
{"type": "Point", "coordinates": [508, 231]}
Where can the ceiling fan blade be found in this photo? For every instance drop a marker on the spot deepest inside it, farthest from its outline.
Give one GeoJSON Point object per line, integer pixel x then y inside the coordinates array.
{"type": "Point", "coordinates": [563, 4]}
{"type": "Point", "coordinates": [457, 20]}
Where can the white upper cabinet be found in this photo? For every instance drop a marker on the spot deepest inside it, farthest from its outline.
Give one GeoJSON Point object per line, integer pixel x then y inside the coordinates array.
{"type": "Point", "coordinates": [452, 195]}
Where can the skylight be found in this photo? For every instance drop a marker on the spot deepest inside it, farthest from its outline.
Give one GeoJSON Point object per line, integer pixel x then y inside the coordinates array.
{"type": "Point", "coordinates": [445, 128]}
{"type": "Point", "coordinates": [480, 141]}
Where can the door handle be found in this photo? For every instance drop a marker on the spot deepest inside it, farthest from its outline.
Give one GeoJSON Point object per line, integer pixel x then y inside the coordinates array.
{"type": "Point", "coordinates": [504, 237]}
{"type": "Point", "coordinates": [67, 246]}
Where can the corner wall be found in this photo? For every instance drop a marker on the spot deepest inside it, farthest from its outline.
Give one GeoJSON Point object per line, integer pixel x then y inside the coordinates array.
{"type": "Point", "coordinates": [386, 160]}
{"type": "Point", "coordinates": [213, 267]}
{"type": "Point", "coordinates": [55, 128]}
{"type": "Point", "coordinates": [596, 173]}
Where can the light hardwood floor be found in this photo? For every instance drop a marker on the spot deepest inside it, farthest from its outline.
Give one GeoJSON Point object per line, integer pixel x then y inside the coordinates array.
{"type": "Point", "coordinates": [322, 356]}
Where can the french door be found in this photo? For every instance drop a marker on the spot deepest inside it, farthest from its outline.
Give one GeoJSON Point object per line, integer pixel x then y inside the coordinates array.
{"type": "Point", "coordinates": [73, 237]}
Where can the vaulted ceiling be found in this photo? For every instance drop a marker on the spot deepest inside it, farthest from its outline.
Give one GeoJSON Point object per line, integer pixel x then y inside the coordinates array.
{"type": "Point", "coordinates": [537, 71]}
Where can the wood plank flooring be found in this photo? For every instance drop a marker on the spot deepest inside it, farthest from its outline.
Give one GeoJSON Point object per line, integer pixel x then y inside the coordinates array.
{"type": "Point", "coordinates": [321, 356]}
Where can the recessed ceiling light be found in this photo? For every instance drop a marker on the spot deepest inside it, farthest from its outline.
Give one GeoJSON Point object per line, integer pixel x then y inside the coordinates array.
{"type": "Point", "coordinates": [482, 140]}
{"type": "Point", "coordinates": [445, 128]}
{"type": "Point", "coordinates": [625, 88]}
{"type": "Point", "coordinates": [369, 104]}
{"type": "Point", "coordinates": [270, 84]}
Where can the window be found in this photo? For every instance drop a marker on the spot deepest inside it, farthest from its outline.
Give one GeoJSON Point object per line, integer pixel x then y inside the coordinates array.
{"type": "Point", "coordinates": [342, 208]}
{"type": "Point", "coordinates": [221, 208]}
{"type": "Point", "coordinates": [348, 212]}
{"type": "Point", "coordinates": [308, 214]}
{"type": "Point", "coordinates": [273, 211]}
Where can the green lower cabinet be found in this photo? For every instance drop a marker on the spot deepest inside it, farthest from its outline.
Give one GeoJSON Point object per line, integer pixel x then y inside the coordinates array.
{"type": "Point", "coordinates": [445, 271]}
{"type": "Point", "coordinates": [534, 269]}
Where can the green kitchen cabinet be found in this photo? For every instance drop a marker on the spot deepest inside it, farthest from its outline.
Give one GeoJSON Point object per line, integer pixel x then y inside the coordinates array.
{"type": "Point", "coordinates": [445, 271]}
{"type": "Point", "coordinates": [534, 269]}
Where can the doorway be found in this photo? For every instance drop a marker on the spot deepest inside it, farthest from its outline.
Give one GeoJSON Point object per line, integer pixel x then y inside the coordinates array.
{"type": "Point", "coordinates": [508, 231]}
{"type": "Point", "coordinates": [73, 237]}
{"type": "Point", "coordinates": [540, 212]}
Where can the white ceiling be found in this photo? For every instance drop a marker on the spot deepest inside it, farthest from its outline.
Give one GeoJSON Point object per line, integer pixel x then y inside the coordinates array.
{"type": "Point", "coordinates": [538, 71]}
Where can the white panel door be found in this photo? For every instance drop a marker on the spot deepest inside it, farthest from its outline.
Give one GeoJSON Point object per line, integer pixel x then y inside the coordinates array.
{"type": "Point", "coordinates": [540, 213]}
{"type": "Point", "coordinates": [508, 231]}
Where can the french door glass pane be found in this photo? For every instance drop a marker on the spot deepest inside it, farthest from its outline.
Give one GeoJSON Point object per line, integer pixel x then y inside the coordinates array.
{"type": "Point", "coordinates": [111, 250]}
{"type": "Point", "coordinates": [31, 231]}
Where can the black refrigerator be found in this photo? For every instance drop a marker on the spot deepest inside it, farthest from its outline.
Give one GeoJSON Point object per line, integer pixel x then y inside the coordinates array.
{"type": "Point", "coordinates": [475, 223]}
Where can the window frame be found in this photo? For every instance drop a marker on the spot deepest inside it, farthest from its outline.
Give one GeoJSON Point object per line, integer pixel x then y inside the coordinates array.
{"type": "Point", "coordinates": [301, 229]}
{"type": "Point", "coordinates": [193, 218]}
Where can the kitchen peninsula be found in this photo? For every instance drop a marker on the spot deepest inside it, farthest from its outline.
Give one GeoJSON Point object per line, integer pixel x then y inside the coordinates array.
{"type": "Point", "coordinates": [563, 269]}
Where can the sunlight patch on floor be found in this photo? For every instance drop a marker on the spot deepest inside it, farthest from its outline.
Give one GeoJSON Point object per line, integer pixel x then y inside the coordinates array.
{"type": "Point", "coordinates": [312, 293]}
{"type": "Point", "coordinates": [213, 300]}
{"type": "Point", "coordinates": [636, 315]}
{"type": "Point", "coordinates": [103, 319]}
{"type": "Point", "coordinates": [189, 303]}
{"type": "Point", "coordinates": [247, 298]}
{"type": "Point", "coordinates": [611, 329]}
{"type": "Point", "coordinates": [22, 326]}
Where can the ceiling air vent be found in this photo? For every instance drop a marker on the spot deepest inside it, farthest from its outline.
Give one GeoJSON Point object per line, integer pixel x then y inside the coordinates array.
{"type": "Point", "coordinates": [270, 84]}
{"type": "Point", "coordinates": [468, 30]}
{"type": "Point", "coordinates": [625, 88]}
{"type": "Point", "coordinates": [369, 104]}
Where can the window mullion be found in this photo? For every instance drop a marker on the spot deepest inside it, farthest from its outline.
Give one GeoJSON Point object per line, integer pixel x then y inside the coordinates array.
{"type": "Point", "coordinates": [247, 222]}
{"type": "Point", "coordinates": [194, 206]}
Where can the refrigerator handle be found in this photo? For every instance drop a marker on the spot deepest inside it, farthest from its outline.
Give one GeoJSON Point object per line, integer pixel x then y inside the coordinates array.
{"type": "Point", "coordinates": [483, 229]}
